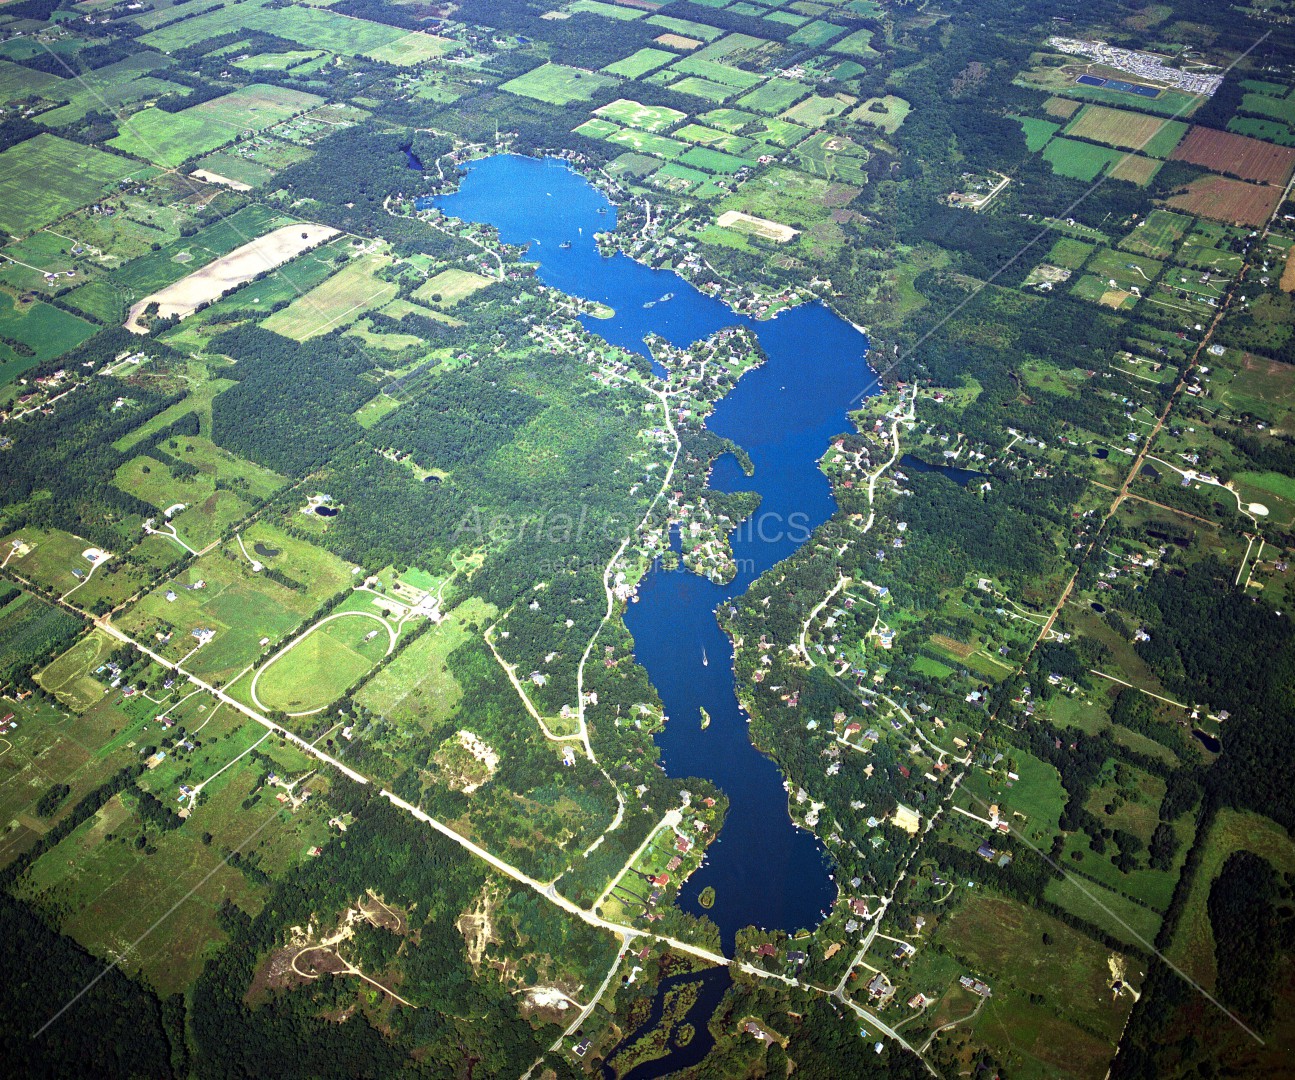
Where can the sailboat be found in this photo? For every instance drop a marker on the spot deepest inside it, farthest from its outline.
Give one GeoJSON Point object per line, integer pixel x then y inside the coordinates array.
{"type": "Point", "coordinates": [704, 661]}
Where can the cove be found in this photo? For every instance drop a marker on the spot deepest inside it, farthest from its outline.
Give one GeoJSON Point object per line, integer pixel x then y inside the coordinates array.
{"type": "Point", "coordinates": [766, 872]}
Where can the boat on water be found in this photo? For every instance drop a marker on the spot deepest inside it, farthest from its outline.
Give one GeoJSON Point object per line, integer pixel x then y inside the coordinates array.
{"type": "Point", "coordinates": [668, 296]}
{"type": "Point", "coordinates": [565, 244]}
{"type": "Point", "coordinates": [704, 661]}
{"type": "Point", "coordinates": [650, 303]}
{"type": "Point", "coordinates": [602, 210]}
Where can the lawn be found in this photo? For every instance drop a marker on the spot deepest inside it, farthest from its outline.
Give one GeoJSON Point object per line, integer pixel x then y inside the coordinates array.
{"type": "Point", "coordinates": [40, 331]}
{"type": "Point", "coordinates": [52, 557]}
{"type": "Point", "coordinates": [45, 177]}
{"type": "Point", "coordinates": [558, 84]}
{"type": "Point", "coordinates": [655, 118]}
{"type": "Point", "coordinates": [219, 494]}
{"type": "Point", "coordinates": [1125, 269]}
{"type": "Point", "coordinates": [339, 301]}
{"type": "Point", "coordinates": [172, 138]}
{"type": "Point", "coordinates": [1078, 160]}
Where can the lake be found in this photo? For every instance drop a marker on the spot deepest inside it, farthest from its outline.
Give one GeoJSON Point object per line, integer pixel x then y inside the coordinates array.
{"type": "Point", "coordinates": [766, 872]}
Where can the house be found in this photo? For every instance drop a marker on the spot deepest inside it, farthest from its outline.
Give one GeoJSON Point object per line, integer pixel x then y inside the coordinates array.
{"type": "Point", "coordinates": [918, 1001]}
{"type": "Point", "coordinates": [582, 1047]}
{"type": "Point", "coordinates": [860, 907]}
{"type": "Point", "coordinates": [645, 952]}
{"type": "Point", "coordinates": [766, 950]}
{"type": "Point", "coordinates": [682, 844]}
{"type": "Point", "coordinates": [975, 986]}
{"type": "Point", "coordinates": [880, 986]}
{"type": "Point", "coordinates": [986, 852]}
{"type": "Point", "coordinates": [902, 951]}
{"type": "Point", "coordinates": [674, 863]}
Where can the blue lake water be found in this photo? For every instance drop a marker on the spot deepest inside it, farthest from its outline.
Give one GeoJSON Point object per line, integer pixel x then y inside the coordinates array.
{"type": "Point", "coordinates": [959, 476]}
{"type": "Point", "coordinates": [765, 871]}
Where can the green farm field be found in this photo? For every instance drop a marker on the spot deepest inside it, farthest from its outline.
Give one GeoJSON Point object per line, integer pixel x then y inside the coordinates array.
{"type": "Point", "coordinates": [653, 118]}
{"type": "Point", "coordinates": [45, 177]}
{"type": "Point", "coordinates": [240, 606]}
{"type": "Point", "coordinates": [1193, 944]}
{"type": "Point", "coordinates": [339, 301]}
{"type": "Point", "coordinates": [320, 667]}
{"type": "Point", "coordinates": [858, 44]}
{"type": "Point", "coordinates": [45, 331]}
{"type": "Point", "coordinates": [1003, 939]}
{"type": "Point", "coordinates": [310, 27]}
{"type": "Point", "coordinates": [185, 254]}
{"type": "Point", "coordinates": [1151, 135]}
{"type": "Point", "coordinates": [887, 113]}
{"type": "Point", "coordinates": [1037, 132]}
{"type": "Point", "coordinates": [1117, 915]}
{"type": "Point", "coordinates": [53, 556]}
{"type": "Point", "coordinates": [815, 111]}
{"type": "Point", "coordinates": [774, 96]}
{"type": "Point", "coordinates": [1158, 234]}
{"type": "Point", "coordinates": [449, 287]}
{"type": "Point", "coordinates": [69, 678]}
{"type": "Point", "coordinates": [28, 629]}
{"type": "Point", "coordinates": [713, 71]}
{"type": "Point", "coordinates": [558, 84]}
{"type": "Point", "coordinates": [703, 88]}
{"type": "Point", "coordinates": [1078, 160]}
{"type": "Point", "coordinates": [815, 34]}
{"type": "Point", "coordinates": [646, 143]}
{"type": "Point", "coordinates": [716, 140]}
{"type": "Point", "coordinates": [171, 138]}
{"type": "Point", "coordinates": [640, 63]}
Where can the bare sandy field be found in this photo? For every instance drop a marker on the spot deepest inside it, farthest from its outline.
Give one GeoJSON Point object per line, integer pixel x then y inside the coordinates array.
{"type": "Point", "coordinates": [770, 230]}
{"type": "Point", "coordinates": [238, 267]}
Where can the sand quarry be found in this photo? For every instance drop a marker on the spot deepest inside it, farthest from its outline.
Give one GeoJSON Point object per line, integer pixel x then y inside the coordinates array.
{"type": "Point", "coordinates": [237, 268]}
